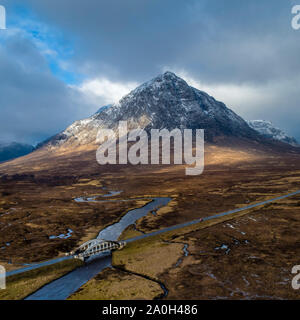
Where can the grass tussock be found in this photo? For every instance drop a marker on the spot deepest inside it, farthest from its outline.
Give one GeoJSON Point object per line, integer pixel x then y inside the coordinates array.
{"type": "Point", "coordinates": [114, 284]}
{"type": "Point", "coordinates": [148, 257]}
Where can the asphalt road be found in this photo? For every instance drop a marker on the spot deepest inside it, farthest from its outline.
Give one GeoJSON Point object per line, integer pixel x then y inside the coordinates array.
{"type": "Point", "coordinates": [186, 224]}
{"type": "Point", "coordinates": [63, 287]}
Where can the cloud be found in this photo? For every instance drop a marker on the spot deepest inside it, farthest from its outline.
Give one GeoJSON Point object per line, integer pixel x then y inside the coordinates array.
{"type": "Point", "coordinates": [222, 40]}
{"type": "Point", "coordinates": [89, 53]}
{"type": "Point", "coordinates": [101, 89]}
{"type": "Point", "coordinates": [34, 104]}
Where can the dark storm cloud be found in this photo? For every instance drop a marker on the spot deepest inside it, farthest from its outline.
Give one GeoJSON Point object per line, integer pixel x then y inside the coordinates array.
{"type": "Point", "coordinates": [33, 103]}
{"type": "Point", "coordinates": [220, 40]}
{"type": "Point", "coordinates": [217, 42]}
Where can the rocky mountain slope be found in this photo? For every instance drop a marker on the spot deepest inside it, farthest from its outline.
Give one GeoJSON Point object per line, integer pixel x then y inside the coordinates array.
{"type": "Point", "coordinates": [268, 130]}
{"type": "Point", "coordinates": [168, 102]}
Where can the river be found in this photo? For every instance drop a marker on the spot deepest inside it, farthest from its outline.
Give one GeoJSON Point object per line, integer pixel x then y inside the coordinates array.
{"type": "Point", "coordinates": [63, 287]}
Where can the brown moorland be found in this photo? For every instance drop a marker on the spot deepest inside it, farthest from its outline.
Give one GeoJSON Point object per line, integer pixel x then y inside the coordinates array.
{"type": "Point", "coordinates": [37, 201]}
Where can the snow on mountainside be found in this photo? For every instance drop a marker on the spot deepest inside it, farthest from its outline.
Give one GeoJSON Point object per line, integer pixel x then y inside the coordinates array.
{"type": "Point", "coordinates": [166, 101]}
{"type": "Point", "coordinates": [267, 129]}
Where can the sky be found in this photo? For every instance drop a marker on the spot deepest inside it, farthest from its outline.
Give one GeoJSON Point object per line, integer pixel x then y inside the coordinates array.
{"type": "Point", "coordinates": [61, 60]}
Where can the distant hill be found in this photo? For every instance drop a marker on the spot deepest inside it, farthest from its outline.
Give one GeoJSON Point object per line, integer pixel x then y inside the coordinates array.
{"type": "Point", "coordinates": [9, 151]}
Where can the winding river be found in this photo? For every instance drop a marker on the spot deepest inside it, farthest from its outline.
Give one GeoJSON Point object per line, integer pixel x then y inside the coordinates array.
{"type": "Point", "coordinates": [63, 287]}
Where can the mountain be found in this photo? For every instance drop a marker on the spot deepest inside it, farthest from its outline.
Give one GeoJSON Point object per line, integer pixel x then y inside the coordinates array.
{"type": "Point", "coordinates": [13, 150]}
{"type": "Point", "coordinates": [166, 101]}
{"type": "Point", "coordinates": [268, 130]}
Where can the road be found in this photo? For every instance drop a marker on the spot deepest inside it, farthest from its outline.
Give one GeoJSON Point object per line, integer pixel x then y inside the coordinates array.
{"type": "Point", "coordinates": [61, 288]}
{"type": "Point", "coordinates": [186, 224]}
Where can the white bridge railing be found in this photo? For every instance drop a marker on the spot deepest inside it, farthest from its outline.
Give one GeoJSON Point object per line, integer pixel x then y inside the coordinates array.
{"type": "Point", "coordinates": [96, 246]}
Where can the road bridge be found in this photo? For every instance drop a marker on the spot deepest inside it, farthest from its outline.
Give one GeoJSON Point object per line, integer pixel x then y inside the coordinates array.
{"type": "Point", "coordinates": [95, 247]}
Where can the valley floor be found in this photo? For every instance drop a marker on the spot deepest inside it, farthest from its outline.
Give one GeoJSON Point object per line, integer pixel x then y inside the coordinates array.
{"type": "Point", "coordinates": [248, 256]}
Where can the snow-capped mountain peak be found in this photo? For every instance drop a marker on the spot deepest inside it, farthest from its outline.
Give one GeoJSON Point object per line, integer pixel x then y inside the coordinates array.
{"type": "Point", "coordinates": [165, 102]}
